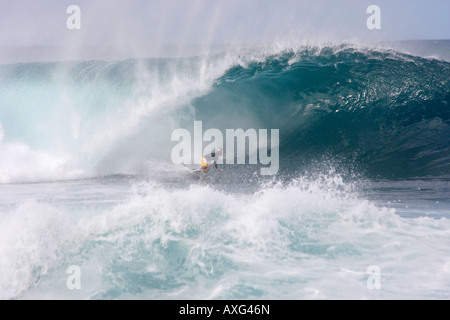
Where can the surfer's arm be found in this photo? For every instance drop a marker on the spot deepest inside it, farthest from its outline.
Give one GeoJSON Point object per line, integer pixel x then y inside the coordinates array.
{"type": "Point", "coordinates": [217, 166]}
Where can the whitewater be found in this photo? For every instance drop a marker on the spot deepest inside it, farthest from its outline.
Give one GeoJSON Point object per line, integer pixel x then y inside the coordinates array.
{"type": "Point", "coordinates": [86, 177]}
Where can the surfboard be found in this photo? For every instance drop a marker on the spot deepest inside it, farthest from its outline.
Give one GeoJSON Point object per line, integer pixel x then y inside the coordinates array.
{"type": "Point", "coordinates": [198, 173]}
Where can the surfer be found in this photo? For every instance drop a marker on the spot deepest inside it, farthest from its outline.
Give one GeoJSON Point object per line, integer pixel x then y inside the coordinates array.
{"type": "Point", "coordinates": [211, 158]}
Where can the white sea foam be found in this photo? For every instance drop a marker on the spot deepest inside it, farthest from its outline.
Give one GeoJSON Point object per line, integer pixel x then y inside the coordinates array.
{"type": "Point", "coordinates": [20, 163]}
{"type": "Point", "coordinates": [294, 241]}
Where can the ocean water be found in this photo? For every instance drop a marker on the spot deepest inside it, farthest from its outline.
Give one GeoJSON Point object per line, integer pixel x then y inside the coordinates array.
{"type": "Point", "coordinates": [363, 183]}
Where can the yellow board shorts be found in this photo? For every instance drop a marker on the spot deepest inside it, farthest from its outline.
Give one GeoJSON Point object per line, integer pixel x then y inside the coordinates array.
{"type": "Point", "coordinates": [205, 165]}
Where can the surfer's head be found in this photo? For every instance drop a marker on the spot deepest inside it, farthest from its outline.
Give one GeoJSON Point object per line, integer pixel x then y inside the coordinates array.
{"type": "Point", "coordinates": [216, 152]}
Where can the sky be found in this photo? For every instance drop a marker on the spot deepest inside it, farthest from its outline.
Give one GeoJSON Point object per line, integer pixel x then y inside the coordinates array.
{"type": "Point", "coordinates": [198, 22]}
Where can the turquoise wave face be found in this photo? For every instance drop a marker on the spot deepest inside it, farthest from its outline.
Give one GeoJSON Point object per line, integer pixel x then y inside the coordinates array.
{"type": "Point", "coordinates": [387, 113]}
{"type": "Point", "coordinates": [384, 112]}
